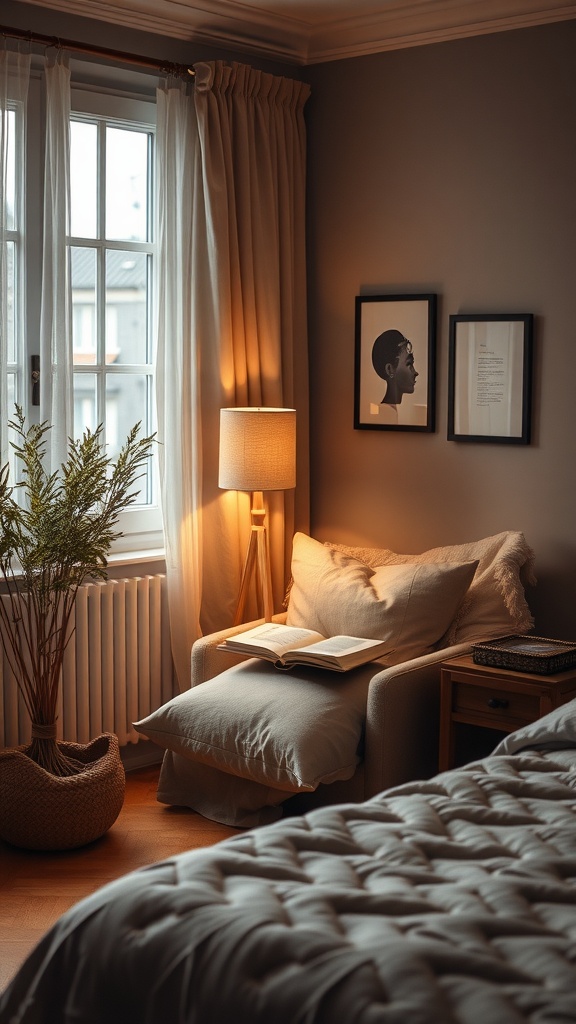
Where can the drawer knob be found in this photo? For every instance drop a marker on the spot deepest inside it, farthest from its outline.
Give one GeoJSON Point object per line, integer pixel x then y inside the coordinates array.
{"type": "Point", "coordinates": [497, 702]}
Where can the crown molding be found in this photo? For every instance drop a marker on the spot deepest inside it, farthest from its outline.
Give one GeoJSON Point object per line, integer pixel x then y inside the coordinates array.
{"type": "Point", "coordinates": [406, 24]}
{"type": "Point", "coordinates": [314, 37]}
{"type": "Point", "coordinates": [224, 24]}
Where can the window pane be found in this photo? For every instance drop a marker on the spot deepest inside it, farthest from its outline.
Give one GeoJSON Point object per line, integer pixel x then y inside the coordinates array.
{"type": "Point", "coordinates": [126, 184]}
{"type": "Point", "coordinates": [12, 399]}
{"type": "Point", "coordinates": [126, 306]}
{"type": "Point", "coordinates": [83, 179]}
{"type": "Point", "coordinates": [127, 403]}
{"type": "Point", "coordinates": [11, 171]}
{"type": "Point", "coordinates": [83, 272]}
{"type": "Point", "coordinates": [85, 408]}
{"type": "Point", "coordinates": [11, 301]}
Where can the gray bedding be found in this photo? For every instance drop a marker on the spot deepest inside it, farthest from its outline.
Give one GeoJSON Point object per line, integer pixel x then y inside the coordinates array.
{"type": "Point", "coordinates": [451, 900]}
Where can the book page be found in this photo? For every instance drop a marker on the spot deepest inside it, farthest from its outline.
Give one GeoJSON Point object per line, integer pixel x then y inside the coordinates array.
{"type": "Point", "coordinates": [276, 637]}
{"type": "Point", "coordinates": [338, 645]}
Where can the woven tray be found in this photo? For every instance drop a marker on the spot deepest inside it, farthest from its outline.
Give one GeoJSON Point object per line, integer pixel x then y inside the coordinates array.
{"type": "Point", "coordinates": [535, 654]}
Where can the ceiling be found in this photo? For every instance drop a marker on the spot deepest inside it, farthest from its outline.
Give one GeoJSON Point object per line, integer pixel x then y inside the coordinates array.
{"type": "Point", "coordinates": [313, 31]}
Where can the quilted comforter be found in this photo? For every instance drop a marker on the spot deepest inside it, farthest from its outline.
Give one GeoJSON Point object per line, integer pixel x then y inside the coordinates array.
{"type": "Point", "coordinates": [450, 900]}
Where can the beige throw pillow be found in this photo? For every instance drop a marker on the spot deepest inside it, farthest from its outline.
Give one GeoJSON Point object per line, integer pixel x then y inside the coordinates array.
{"type": "Point", "coordinates": [495, 604]}
{"type": "Point", "coordinates": [410, 606]}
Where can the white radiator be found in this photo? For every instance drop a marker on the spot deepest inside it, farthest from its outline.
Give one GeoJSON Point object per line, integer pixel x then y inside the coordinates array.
{"type": "Point", "coordinates": [117, 667]}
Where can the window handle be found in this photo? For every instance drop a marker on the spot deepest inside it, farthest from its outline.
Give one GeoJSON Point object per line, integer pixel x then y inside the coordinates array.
{"type": "Point", "coordinates": [35, 378]}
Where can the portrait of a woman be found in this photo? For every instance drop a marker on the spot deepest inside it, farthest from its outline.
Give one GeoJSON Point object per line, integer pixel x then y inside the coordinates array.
{"type": "Point", "coordinates": [393, 361]}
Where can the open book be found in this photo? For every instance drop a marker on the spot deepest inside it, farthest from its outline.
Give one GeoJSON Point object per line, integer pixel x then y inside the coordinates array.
{"type": "Point", "coordinates": [286, 646]}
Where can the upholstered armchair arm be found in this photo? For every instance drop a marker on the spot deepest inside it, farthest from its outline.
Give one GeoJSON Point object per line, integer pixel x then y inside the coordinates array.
{"type": "Point", "coordinates": [402, 719]}
{"type": "Point", "coordinates": [207, 661]}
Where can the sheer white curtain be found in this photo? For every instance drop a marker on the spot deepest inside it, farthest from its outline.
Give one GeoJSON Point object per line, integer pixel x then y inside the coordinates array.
{"type": "Point", "coordinates": [14, 78]}
{"type": "Point", "coordinates": [238, 289]}
{"type": "Point", "coordinates": [179, 209]}
{"type": "Point", "coordinates": [56, 358]}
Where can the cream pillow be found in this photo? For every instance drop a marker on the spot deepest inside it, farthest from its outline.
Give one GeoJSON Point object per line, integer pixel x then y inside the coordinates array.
{"type": "Point", "coordinates": [285, 730]}
{"type": "Point", "coordinates": [495, 604]}
{"type": "Point", "coordinates": [410, 606]}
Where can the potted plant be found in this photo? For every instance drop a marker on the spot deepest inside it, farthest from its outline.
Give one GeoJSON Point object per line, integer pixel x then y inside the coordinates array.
{"type": "Point", "coordinates": [56, 537]}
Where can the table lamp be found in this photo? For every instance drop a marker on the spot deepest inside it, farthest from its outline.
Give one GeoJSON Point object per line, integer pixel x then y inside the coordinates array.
{"type": "Point", "coordinates": [257, 453]}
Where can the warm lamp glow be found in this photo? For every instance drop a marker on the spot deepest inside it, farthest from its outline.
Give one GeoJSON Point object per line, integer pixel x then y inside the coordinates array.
{"type": "Point", "coordinates": [257, 449]}
{"type": "Point", "coordinates": [257, 453]}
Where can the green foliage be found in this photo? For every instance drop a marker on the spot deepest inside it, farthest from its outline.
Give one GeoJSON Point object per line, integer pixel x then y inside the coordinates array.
{"type": "Point", "coordinates": [54, 540]}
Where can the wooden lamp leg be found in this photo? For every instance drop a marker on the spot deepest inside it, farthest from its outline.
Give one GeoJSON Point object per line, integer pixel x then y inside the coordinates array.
{"type": "Point", "coordinates": [257, 564]}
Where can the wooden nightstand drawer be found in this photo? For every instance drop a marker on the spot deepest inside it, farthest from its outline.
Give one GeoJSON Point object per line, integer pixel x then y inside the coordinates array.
{"type": "Point", "coordinates": [495, 703]}
{"type": "Point", "coordinates": [492, 700]}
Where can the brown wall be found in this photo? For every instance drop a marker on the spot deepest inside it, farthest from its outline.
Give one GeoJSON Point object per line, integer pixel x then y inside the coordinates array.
{"type": "Point", "coordinates": [448, 168]}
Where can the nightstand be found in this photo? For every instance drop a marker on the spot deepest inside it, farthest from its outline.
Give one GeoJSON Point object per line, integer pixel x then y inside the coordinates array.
{"type": "Point", "coordinates": [494, 698]}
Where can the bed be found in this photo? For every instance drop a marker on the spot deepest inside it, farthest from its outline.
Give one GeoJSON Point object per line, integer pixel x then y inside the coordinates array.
{"type": "Point", "coordinates": [449, 900]}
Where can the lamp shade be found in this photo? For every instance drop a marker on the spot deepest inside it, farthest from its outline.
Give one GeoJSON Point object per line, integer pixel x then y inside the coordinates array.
{"type": "Point", "coordinates": [257, 449]}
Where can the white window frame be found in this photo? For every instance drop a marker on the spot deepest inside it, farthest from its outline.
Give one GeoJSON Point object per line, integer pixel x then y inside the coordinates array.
{"type": "Point", "coordinates": [141, 526]}
{"type": "Point", "coordinates": [16, 236]}
{"type": "Point", "coordinates": [119, 96]}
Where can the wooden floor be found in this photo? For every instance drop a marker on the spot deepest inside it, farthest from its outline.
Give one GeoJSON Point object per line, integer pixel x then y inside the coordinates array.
{"type": "Point", "coordinates": [35, 887]}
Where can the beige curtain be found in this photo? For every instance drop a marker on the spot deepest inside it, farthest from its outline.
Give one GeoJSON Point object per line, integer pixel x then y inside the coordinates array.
{"type": "Point", "coordinates": [239, 337]}
{"type": "Point", "coordinates": [253, 145]}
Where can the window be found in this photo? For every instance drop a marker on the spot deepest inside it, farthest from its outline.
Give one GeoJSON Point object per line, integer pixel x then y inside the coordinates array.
{"type": "Point", "coordinates": [14, 221]}
{"type": "Point", "coordinates": [111, 275]}
{"type": "Point", "coordinates": [112, 253]}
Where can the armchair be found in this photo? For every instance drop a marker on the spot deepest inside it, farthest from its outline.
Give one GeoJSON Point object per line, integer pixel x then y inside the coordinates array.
{"type": "Point", "coordinates": [247, 739]}
{"type": "Point", "coordinates": [400, 737]}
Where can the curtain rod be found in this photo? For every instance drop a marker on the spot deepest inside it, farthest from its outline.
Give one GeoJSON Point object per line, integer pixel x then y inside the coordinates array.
{"type": "Point", "coordinates": [98, 51]}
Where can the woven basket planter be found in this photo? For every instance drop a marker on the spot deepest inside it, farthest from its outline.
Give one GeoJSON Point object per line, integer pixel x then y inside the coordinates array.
{"type": "Point", "coordinates": [40, 811]}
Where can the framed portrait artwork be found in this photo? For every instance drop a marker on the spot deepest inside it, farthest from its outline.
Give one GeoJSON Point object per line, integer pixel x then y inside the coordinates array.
{"type": "Point", "coordinates": [490, 377]}
{"type": "Point", "coordinates": [394, 378]}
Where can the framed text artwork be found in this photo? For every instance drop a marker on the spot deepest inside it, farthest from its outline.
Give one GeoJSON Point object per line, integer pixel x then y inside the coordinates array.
{"type": "Point", "coordinates": [394, 380]}
{"type": "Point", "coordinates": [490, 377]}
